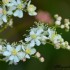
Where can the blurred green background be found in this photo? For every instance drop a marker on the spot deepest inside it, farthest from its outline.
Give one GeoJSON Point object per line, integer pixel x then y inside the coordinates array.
{"type": "Point", "coordinates": [54, 59]}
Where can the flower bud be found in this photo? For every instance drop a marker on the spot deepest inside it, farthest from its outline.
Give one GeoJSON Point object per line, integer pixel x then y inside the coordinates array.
{"type": "Point", "coordinates": [57, 22]}
{"type": "Point", "coordinates": [38, 54]}
{"type": "Point", "coordinates": [42, 59]}
{"type": "Point", "coordinates": [62, 26]}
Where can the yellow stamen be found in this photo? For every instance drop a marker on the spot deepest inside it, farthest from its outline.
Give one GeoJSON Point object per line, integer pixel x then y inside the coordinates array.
{"type": "Point", "coordinates": [34, 36]}
{"type": "Point", "coordinates": [14, 52]}
{"type": "Point", "coordinates": [28, 51]}
{"type": "Point", "coordinates": [20, 6]}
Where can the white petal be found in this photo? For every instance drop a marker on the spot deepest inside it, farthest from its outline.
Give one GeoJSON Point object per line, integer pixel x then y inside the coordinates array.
{"type": "Point", "coordinates": [39, 31]}
{"type": "Point", "coordinates": [32, 43]}
{"type": "Point", "coordinates": [37, 42]}
{"type": "Point", "coordinates": [6, 53]}
{"type": "Point", "coordinates": [9, 48]}
{"type": "Point", "coordinates": [20, 15]}
{"type": "Point", "coordinates": [16, 13]}
{"type": "Point", "coordinates": [9, 12]}
{"type": "Point", "coordinates": [23, 48]}
{"type": "Point", "coordinates": [27, 56]}
{"type": "Point", "coordinates": [32, 13]}
{"type": "Point", "coordinates": [18, 48]}
{"type": "Point", "coordinates": [4, 17]}
{"type": "Point", "coordinates": [11, 57]}
{"type": "Point", "coordinates": [21, 55]}
{"type": "Point", "coordinates": [32, 32]}
{"type": "Point", "coordinates": [33, 51]}
{"type": "Point", "coordinates": [18, 1]}
{"type": "Point", "coordinates": [16, 59]}
{"type": "Point", "coordinates": [27, 39]}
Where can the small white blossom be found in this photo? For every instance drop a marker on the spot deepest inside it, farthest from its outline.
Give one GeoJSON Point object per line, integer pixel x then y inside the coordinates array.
{"type": "Point", "coordinates": [31, 9]}
{"type": "Point", "coordinates": [14, 54]}
{"type": "Point", "coordinates": [62, 26]}
{"type": "Point", "coordinates": [28, 50]}
{"type": "Point", "coordinates": [19, 9]}
{"type": "Point", "coordinates": [34, 37]}
{"type": "Point", "coordinates": [58, 22]}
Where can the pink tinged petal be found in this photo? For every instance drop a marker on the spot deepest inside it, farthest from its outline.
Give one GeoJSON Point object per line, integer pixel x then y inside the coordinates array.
{"type": "Point", "coordinates": [27, 56]}
{"type": "Point", "coordinates": [18, 48]}
{"type": "Point", "coordinates": [7, 53]}
{"type": "Point", "coordinates": [37, 42]}
{"type": "Point", "coordinates": [11, 57]}
{"type": "Point", "coordinates": [32, 43]}
{"type": "Point", "coordinates": [16, 59]}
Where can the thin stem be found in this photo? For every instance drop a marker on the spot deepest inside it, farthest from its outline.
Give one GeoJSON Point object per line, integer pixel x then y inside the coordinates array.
{"type": "Point", "coordinates": [3, 28]}
{"type": "Point", "coordinates": [2, 60]}
{"type": "Point", "coordinates": [50, 43]}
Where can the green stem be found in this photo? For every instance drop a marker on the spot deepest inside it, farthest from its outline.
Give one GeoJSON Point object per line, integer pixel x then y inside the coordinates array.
{"type": "Point", "coordinates": [3, 28]}
{"type": "Point", "coordinates": [2, 60]}
{"type": "Point", "coordinates": [50, 43]}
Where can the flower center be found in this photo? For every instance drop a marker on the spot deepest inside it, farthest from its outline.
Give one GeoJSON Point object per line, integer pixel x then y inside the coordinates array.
{"type": "Point", "coordinates": [5, 1]}
{"type": "Point", "coordinates": [14, 52]}
{"type": "Point", "coordinates": [31, 8]}
{"type": "Point", "coordinates": [34, 36]}
{"type": "Point", "coordinates": [4, 12]}
{"type": "Point", "coordinates": [20, 6]}
{"type": "Point", "coordinates": [53, 36]}
{"type": "Point", "coordinates": [28, 51]}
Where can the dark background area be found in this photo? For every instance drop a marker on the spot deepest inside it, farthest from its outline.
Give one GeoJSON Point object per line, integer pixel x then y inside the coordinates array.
{"type": "Point", "coordinates": [54, 59]}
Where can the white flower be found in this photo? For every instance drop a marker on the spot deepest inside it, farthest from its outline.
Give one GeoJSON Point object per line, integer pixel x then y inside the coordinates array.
{"type": "Point", "coordinates": [19, 9]}
{"type": "Point", "coordinates": [3, 14]}
{"type": "Point", "coordinates": [35, 37]}
{"type": "Point", "coordinates": [51, 33]}
{"type": "Point", "coordinates": [44, 39]}
{"type": "Point", "coordinates": [62, 26]}
{"type": "Point", "coordinates": [6, 1]}
{"type": "Point", "coordinates": [58, 39]}
{"type": "Point", "coordinates": [28, 50]}
{"type": "Point", "coordinates": [14, 54]}
{"type": "Point", "coordinates": [31, 9]}
{"type": "Point", "coordinates": [9, 3]}
{"type": "Point", "coordinates": [58, 22]}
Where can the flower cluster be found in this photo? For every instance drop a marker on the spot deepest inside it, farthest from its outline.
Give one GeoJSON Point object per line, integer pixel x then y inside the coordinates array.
{"type": "Point", "coordinates": [15, 8]}
{"type": "Point", "coordinates": [39, 34]}
{"type": "Point", "coordinates": [58, 23]}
